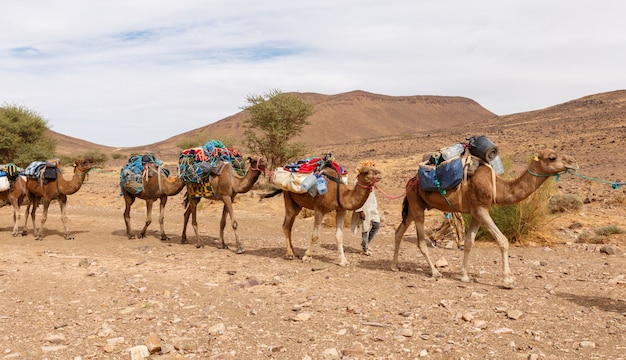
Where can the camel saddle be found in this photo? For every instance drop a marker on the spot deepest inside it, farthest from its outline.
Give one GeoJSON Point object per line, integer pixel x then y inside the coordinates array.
{"type": "Point", "coordinates": [448, 174]}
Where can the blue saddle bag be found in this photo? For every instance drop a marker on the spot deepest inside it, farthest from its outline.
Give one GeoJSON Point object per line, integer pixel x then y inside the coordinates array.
{"type": "Point", "coordinates": [447, 175]}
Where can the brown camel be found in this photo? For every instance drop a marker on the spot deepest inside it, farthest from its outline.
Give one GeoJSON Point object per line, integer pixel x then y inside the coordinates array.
{"type": "Point", "coordinates": [225, 187]}
{"type": "Point", "coordinates": [55, 189]}
{"type": "Point", "coordinates": [15, 196]}
{"type": "Point", "coordinates": [476, 196]}
{"type": "Point", "coordinates": [156, 185]}
{"type": "Point", "coordinates": [339, 198]}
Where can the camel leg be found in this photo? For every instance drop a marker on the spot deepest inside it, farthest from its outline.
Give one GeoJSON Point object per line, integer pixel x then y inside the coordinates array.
{"type": "Point", "coordinates": [194, 221]}
{"type": "Point", "coordinates": [183, 239]}
{"type": "Point", "coordinates": [503, 243]}
{"type": "Point", "coordinates": [291, 211]}
{"type": "Point", "coordinates": [400, 230]}
{"type": "Point", "coordinates": [315, 235]}
{"type": "Point", "coordinates": [26, 215]}
{"type": "Point", "coordinates": [469, 241]}
{"type": "Point", "coordinates": [228, 209]}
{"type": "Point", "coordinates": [16, 216]}
{"type": "Point", "coordinates": [162, 217]}
{"type": "Point", "coordinates": [129, 200]}
{"type": "Point", "coordinates": [44, 216]}
{"type": "Point", "coordinates": [149, 202]}
{"type": "Point", "coordinates": [35, 204]}
{"type": "Point", "coordinates": [63, 205]}
{"type": "Point", "coordinates": [421, 245]}
{"type": "Point", "coordinates": [341, 216]}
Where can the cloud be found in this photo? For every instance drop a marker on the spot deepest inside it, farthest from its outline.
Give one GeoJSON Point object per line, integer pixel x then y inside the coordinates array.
{"type": "Point", "coordinates": [127, 73]}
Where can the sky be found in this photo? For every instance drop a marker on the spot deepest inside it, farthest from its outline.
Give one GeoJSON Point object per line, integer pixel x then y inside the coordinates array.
{"type": "Point", "coordinates": [128, 73]}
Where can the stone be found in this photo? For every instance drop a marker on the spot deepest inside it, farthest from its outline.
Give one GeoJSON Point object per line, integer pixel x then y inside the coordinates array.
{"type": "Point", "coordinates": [441, 263]}
{"type": "Point", "coordinates": [153, 343]}
{"type": "Point", "coordinates": [217, 329]}
{"type": "Point", "coordinates": [514, 314]}
{"type": "Point", "coordinates": [138, 352]}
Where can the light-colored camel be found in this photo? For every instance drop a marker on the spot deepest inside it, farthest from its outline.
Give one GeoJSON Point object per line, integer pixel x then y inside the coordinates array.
{"type": "Point", "coordinates": [476, 197]}
{"type": "Point", "coordinates": [156, 186]}
{"type": "Point", "coordinates": [15, 196]}
{"type": "Point", "coordinates": [339, 198]}
{"type": "Point", "coordinates": [55, 189]}
{"type": "Point", "coordinates": [225, 187]}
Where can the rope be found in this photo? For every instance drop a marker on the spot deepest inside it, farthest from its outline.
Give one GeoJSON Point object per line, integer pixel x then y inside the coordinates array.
{"type": "Point", "coordinates": [392, 197]}
{"type": "Point", "coordinates": [614, 184]}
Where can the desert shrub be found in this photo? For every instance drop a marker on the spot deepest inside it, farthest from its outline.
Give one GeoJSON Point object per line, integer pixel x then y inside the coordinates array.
{"type": "Point", "coordinates": [562, 203]}
{"type": "Point", "coordinates": [95, 156]}
{"type": "Point", "coordinates": [118, 156]}
{"type": "Point", "coordinates": [599, 235]}
{"type": "Point", "coordinates": [24, 137]}
{"type": "Point", "coordinates": [518, 221]}
{"type": "Point", "coordinates": [307, 213]}
{"type": "Point", "coordinates": [610, 230]}
{"type": "Point", "coordinates": [590, 237]}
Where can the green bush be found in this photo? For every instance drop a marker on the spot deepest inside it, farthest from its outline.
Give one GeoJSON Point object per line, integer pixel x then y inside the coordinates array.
{"type": "Point", "coordinates": [518, 221]}
{"type": "Point", "coordinates": [24, 136]}
{"type": "Point", "coordinates": [599, 235]}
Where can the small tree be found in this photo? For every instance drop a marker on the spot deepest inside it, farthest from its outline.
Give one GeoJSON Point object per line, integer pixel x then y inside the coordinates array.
{"type": "Point", "coordinates": [24, 137]}
{"type": "Point", "coordinates": [274, 119]}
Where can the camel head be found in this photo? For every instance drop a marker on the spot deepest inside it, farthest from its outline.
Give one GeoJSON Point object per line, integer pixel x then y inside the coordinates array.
{"type": "Point", "coordinates": [84, 165]}
{"type": "Point", "coordinates": [368, 176]}
{"type": "Point", "coordinates": [257, 164]}
{"type": "Point", "coordinates": [548, 162]}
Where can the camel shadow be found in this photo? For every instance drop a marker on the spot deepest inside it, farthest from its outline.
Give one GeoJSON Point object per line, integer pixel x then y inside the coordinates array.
{"type": "Point", "coordinates": [600, 302]}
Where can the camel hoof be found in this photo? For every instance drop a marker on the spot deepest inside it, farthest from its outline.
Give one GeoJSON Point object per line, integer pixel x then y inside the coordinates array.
{"type": "Point", "coordinates": [307, 258]}
{"type": "Point", "coordinates": [395, 268]}
{"type": "Point", "coordinates": [183, 241]}
{"type": "Point", "coordinates": [289, 257]}
{"type": "Point", "coordinates": [240, 251]}
{"type": "Point", "coordinates": [466, 279]}
{"type": "Point", "coordinates": [509, 284]}
{"type": "Point", "coordinates": [164, 238]}
{"type": "Point", "coordinates": [437, 275]}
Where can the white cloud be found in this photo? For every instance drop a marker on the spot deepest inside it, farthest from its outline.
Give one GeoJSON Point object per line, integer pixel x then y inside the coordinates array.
{"type": "Point", "coordinates": [126, 73]}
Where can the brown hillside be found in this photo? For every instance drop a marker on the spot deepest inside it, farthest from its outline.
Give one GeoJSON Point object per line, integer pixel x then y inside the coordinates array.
{"type": "Point", "coordinates": [352, 116]}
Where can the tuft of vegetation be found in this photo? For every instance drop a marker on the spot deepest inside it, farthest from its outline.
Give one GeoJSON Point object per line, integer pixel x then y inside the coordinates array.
{"type": "Point", "coordinates": [118, 156]}
{"type": "Point", "coordinates": [95, 156]}
{"type": "Point", "coordinates": [521, 220]}
{"type": "Point", "coordinates": [609, 230]}
{"type": "Point", "coordinates": [563, 203]}
{"type": "Point", "coordinates": [599, 236]}
{"type": "Point", "coordinates": [24, 137]}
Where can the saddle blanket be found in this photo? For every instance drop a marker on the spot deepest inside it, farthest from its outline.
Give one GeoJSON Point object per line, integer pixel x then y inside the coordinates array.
{"type": "Point", "coordinates": [447, 175]}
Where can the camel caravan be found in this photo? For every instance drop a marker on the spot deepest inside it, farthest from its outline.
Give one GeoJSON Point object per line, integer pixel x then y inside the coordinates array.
{"type": "Point", "coordinates": [461, 179]}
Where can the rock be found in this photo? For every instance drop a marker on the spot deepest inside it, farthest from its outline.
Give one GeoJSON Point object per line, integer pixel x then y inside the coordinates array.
{"type": "Point", "coordinates": [468, 317]}
{"type": "Point", "coordinates": [53, 348]}
{"type": "Point", "coordinates": [514, 314]}
{"type": "Point", "coordinates": [355, 349]}
{"type": "Point", "coordinates": [423, 353]}
{"type": "Point", "coordinates": [441, 263]}
{"type": "Point", "coordinates": [503, 331]}
{"type": "Point", "coordinates": [217, 329]}
{"type": "Point", "coordinates": [138, 352]}
{"type": "Point", "coordinates": [587, 344]}
{"type": "Point", "coordinates": [610, 250]}
{"type": "Point", "coordinates": [303, 316]}
{"type": "Point", "coordinates": [330, 353]}
{"type": "Point", "coordinates": [404, 332]}
{"type": "Point", "coordinates": [153, 343]}
{"type": "Point", "coordinates": [55, 338]}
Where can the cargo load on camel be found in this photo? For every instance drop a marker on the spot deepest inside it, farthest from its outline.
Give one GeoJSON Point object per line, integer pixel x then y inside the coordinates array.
{"type": "Point", "coordinates": [304, 176]}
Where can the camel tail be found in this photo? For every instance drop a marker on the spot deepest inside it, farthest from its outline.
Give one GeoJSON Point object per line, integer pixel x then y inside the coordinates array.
{"type": "Point", "coordinates": [272, 194]}
{"type": "Point", "coordinates": [405, 209]}
{"type": "Point", "coordinates": [186, 200]}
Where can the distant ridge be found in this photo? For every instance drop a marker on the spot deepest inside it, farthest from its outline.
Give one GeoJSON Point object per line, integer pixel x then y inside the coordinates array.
{"type": "Point", "coordinates": [358, 115]}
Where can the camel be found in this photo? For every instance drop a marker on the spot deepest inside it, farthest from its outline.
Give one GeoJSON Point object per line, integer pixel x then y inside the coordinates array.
{"type": "Point", "coordinates": [225, 187]}
{"type": "Point", "coordinates": [476, 196]}
{"type": "Point", "coordinates": [15, 196]}
{"type": "Point", "coordinates": [156, 185]}
{"type": "Point", "coordinates": [339, 198]}
{"type": "Point", "coordinates": [55, 189]}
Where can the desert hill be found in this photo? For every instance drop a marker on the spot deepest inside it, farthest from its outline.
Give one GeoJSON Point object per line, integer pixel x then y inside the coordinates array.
{"type": "Point", "coordinates": [341, 118]}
